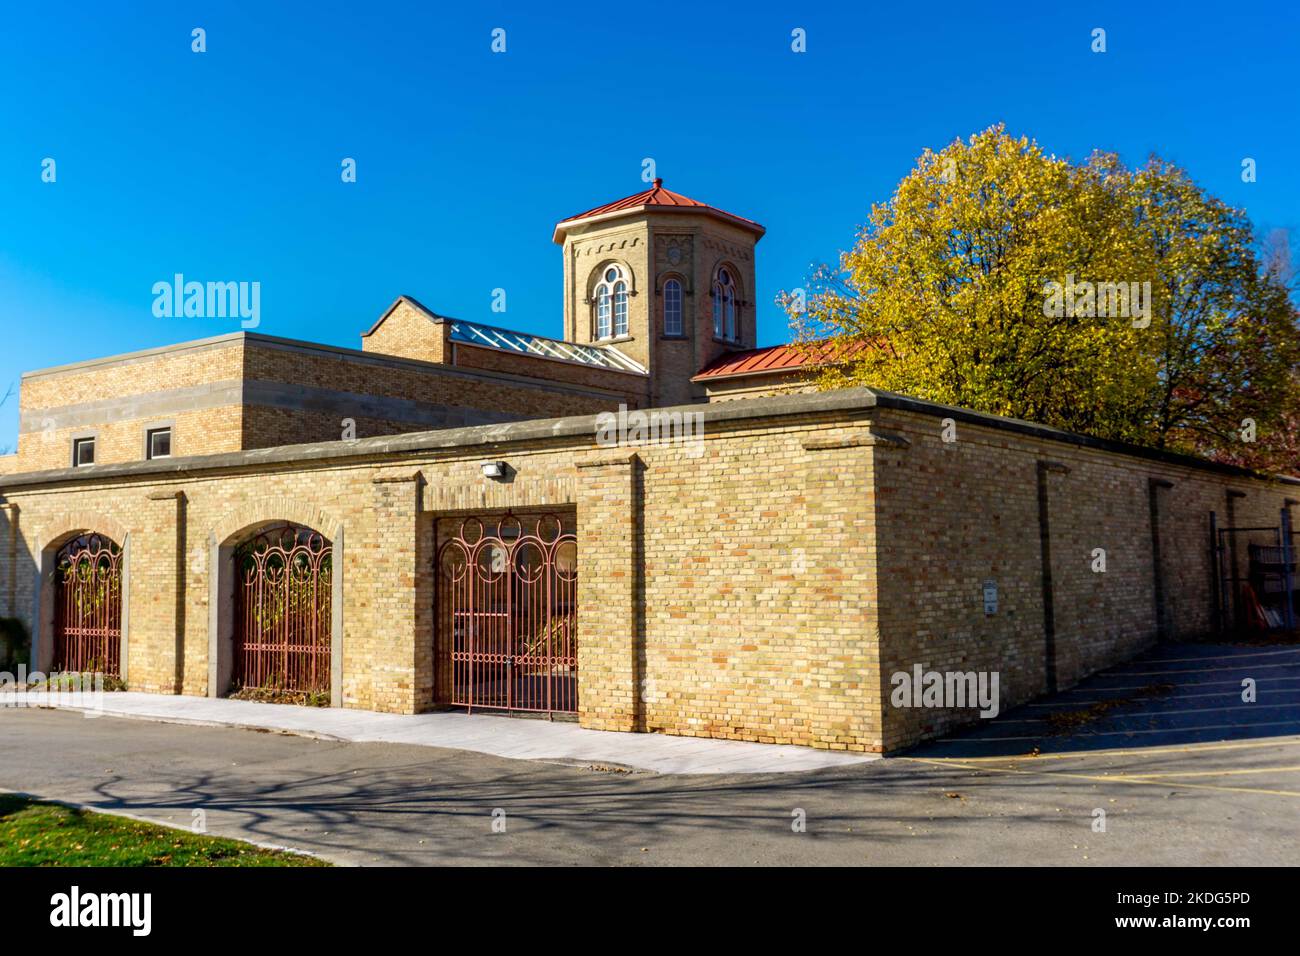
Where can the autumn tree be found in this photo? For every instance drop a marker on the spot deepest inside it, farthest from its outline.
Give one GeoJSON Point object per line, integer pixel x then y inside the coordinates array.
{"type": "Point", "coordinates": [1122, 304]}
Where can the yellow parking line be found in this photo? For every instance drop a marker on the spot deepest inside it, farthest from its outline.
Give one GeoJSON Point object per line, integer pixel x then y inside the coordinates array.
{"type": "Point", "coordinates": [1202, 670]}
{"type": "Point", "coordinates": [1220, 657]}
{"type": "Point", "coordinates": [1205, 773]}
{"type": "Point", "coordinates": [1109, 778]}
{"type": "Point", "coordinates": [1184, 748]}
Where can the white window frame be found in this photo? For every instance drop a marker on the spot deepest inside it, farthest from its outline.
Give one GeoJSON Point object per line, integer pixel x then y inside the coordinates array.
{"type": "Point", "coordinates": [611, 304]}
{"type": "Point", "coordinates": [79, 443]}
{"type": "Point", "coordinates": [148, 442]}
{"type": "Point", "coordinates": [673, 308]}
{"type": "Point", "coordinates": [620, 308]}
{"type": "Point", "coordinates": [603, 326]}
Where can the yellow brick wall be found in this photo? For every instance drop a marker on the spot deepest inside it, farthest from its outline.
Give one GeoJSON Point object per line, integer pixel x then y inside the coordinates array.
{"type": "Point", "coordinates": [222, 361]}
{"type": "Point", "coordinates": [121, 438]}
{"type": "Point", "coordinates": [642, 245]}
{"type": "Point", "coordinates": [48, 399]}
{"type": "Point", "coordinates": [951, 515]}
{"type": "Point", "coordinates": [411, 333]}
{"type": "Point", "coordinates": [761, 587]}
{"type": "Point", "coordinates": [206, 432]}
{"type": "Point", "coordinates": [743, 621]}
{"type": "Point", "coordinates": [271, 426]}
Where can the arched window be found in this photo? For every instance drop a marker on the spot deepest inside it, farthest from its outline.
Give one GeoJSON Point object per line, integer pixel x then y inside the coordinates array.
{"type": "Point", "coordinates": [724, 307]}
{"type": "Point", "coordinates": [672, 307]}
{"type": "Point", "coordinates": [611, 304]}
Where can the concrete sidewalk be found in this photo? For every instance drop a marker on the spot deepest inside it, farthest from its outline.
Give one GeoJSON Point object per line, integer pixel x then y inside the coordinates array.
{"type": "Point", "coordinates": [513, 737]}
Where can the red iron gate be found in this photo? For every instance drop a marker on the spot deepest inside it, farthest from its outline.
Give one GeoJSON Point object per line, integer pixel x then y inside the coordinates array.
{"type": "Point", "coordinates": [88, 606]}
{"type": "Point", "coordinates": [507, 610]}
{"type": "Point", "coordinates": [283, 609]}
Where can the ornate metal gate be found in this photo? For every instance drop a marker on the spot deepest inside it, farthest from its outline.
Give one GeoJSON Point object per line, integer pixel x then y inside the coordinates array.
{"type": "Point", "coordinates": [283, 603]}
{"type": "Point", "coordinates": [507, 604]}
{"type": "Point", "coordinates": [88, 606]}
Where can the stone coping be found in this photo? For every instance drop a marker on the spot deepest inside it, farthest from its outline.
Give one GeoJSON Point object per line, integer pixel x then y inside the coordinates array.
{"type": "Point", "coordinates": [843, 402]}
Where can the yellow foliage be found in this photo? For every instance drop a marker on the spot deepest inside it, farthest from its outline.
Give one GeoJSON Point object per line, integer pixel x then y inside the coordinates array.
{"type": "Point", "coordinates": [1123, 304]}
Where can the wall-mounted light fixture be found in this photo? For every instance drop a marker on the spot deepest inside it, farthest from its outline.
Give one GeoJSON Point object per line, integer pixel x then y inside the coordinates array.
{"type": "Point", "coordinates": [494, 469]}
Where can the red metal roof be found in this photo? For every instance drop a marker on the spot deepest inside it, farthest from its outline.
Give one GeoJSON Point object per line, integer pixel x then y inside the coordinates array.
{"type": "Point", "coordinates": [658, 197]}
{"type": "Point", "coordinates": [774, 358]}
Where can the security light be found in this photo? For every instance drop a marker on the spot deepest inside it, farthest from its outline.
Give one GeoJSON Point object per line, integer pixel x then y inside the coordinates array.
{"type": "Point", "coordinates": [494, 469]}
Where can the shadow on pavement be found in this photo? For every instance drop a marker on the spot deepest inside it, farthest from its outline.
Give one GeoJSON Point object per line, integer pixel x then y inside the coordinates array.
{"type": "Point", "coordinates": [1171, 695]}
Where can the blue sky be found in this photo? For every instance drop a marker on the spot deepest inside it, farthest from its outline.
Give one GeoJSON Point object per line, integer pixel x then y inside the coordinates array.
{"type": "Point", "coordinates": [225, 165]}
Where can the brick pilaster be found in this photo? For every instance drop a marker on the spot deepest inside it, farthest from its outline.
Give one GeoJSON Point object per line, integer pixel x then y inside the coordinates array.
{"type": "Point", "coordinates": [610, 645]}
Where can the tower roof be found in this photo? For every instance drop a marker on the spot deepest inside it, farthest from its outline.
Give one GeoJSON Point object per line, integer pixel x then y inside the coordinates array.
{"type": "Point", "coordinates": [655, 198]}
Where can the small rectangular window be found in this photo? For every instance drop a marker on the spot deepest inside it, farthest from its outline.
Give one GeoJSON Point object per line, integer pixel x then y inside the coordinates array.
{"type": "Point", "coordinates": [83, 452]}
{"type": "Point", "coordinates": [159, 443]}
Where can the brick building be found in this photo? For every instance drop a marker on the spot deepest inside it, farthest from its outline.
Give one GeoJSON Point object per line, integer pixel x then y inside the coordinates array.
{"type": "Point", "coordinates": [440, 519]}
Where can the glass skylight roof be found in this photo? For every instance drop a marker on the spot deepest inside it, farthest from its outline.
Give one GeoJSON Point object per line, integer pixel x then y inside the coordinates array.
{"type": "Point", "coordinates": [472, 333]}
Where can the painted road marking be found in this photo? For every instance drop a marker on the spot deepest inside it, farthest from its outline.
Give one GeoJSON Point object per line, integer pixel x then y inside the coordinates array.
{"type": "Point", "coordinates": [1177, 672]}
{"type": "Point", "coordinates": [1239, 707]}
{"type": "Point", "coordinates": [1107, 778]}
{"type": "Point", "coordinates": [1220, 657]}
{"type": "Point", "coordinates": [1180, 685]}
{"type": "Point", "coordinates": [1209, 773]}
{"type": "Point", "coordinates": [1175, 696]}
{"type": "Point", "coordinates": [1167, 731]}
{"type": "Point", "coordinates": [1145, 751]}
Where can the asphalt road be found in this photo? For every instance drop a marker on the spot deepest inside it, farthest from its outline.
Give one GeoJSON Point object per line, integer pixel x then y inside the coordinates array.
{"type": "Point", "coordinates": [1187, 775]}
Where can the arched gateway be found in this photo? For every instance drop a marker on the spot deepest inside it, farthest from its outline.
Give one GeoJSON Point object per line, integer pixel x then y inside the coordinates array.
{"type": "Point", "coordinates": [88, 606]}
{"type": "Point", "coordinates": [283, 614]}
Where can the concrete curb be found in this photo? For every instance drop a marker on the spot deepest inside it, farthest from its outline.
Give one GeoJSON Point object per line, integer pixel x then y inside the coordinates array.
{"type": "Point", "coordinates": [508, 738]}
